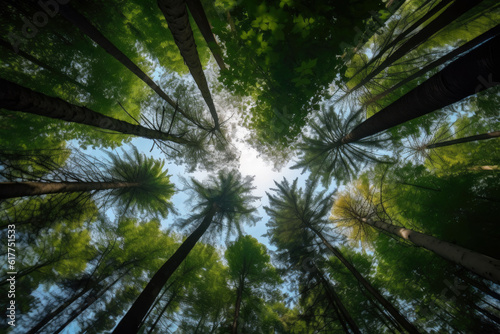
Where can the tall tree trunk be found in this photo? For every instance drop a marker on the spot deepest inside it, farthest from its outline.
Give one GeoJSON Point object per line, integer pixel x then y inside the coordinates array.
{"type": "Point", "coordinates": [132, 319]}
{"type": "Point", "coordinates": [85, 26]}
{"type": "Point", "coordinates": [239, 294]}
{"type": "Point", "coordinates": [449, 56]}
{"type": "Point", "coordinates": [199, 16]}
{"type": "Point", "coordinates": [485, 266]}
{"type": "Point", "coordinates": [335, 300]}
{"type": "Point", "coordinates": [56, 312]}
{"type": "Point", "coordinates": [38, 62]}
{"type": "Point", "coordinates": [18, 98]}
{"type": "Point", "coordinates": [175, 13]}
{"type": "Point", "coordinates": [20, 189]}
{"type": "Point", "coordinates": [170, 300]}
{"type": "Point", "coordinates": [463, 77]}
{"type": "Point", "coordinates": [385, 303]}
{"type": "Point", "coordinates": [483, 136]}
{"type": "Point", "coordinates": [487, 313]}
{"type": "Point", "coordinates": [90, 302]}
{"type": "Point", "coordinates": [405, 33]}
{"type": "Point", "coordinates": [480, 286]}
{"type": "Point", "coordinates": [454, 11]}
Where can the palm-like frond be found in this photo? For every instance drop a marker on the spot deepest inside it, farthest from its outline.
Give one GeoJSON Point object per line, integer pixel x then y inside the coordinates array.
{"type": "Point", "coordinates": [230, 193]}
{"type": "Point", "coordinates": [291, 211]}
{"type": "Point", "coordinates": [324, 154]}
{"type": "Point", "coordinates": [350, 209]}
{"type": "Point", "coordinates": [153, 191]}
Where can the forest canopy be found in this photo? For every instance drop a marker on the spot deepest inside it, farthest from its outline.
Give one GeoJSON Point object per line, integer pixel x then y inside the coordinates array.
{"type": "Point", "coordinates": [250, 166]}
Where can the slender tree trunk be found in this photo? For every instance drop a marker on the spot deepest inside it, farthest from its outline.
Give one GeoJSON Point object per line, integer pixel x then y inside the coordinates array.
{"type": "Point", "coordinates": [454, 11]}
{"type": "Point", "coordinates": [470, 74]}
{"type": "Point", "coordinates": [483, 136]}
{"type": "Point", "coordinates": [49, 317]}
{"type": "Point", "coordinates": [132, 319]}
{"type": "Point", "coordinates": [239, 294]}
{"type": "Point", "coordinates": [18, 98]}
{"type": "Point", "coordinates": [385, 303]}
{"type": "Point", "coordinates": [405, 33]}
{"type": "Point", "coordinates": [89, 303]}
{"type": "Point", "coordinates": [335, 300]}
{"type": "Point", "coordinates": [485, 266]}
{"type": "Point", "coordinates": [480, 286]}
{"type": "Point", "coordinates": [198, 13]}
{"type": "Point", "coordinates": [21, 189]}
{"type": "Point", "coordinates": [175, 13]}
{"type": "Point", "coordinates": [485, 167]}
{"type": "Point", "coordinates": [487, 313]}
{"type": "Point", "coordinates": [451, 55]}
{"type": "Point", "coordinates": [170, 300]}
{"type": "Point", "coordinates": [38, 62]}
{"type": "Point", "coordinates": [85, 26]}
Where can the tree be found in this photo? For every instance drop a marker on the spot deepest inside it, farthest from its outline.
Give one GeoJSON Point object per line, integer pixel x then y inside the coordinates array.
{"type": "Point", "coordinates": [175, 13]}
{"type": "Point", "coordinates": [224, 199]}
{"type": "Point", "coordinates": [456, 9]}
{"type": "Point", "coordinates": [355, 207]}
{"type": "Point", "coordinates": [306, 211]}
{"type": "Point", "coordinates": [453, 83]}
{"type": "Point", "coordinates": [198, 13]}
{"type": "Point", "coordinates": [87, 28]}
{"type": "Point", "coordinates": [440, 61]}
{"type": "Point", "coordinates": [18, 98]}
{"type": "Point", "coordinates": [135, 182]}
{"type": "Point", "coordinates": [249, 268]}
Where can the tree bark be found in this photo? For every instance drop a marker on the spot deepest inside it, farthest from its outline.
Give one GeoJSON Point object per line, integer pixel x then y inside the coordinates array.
{"type": "Point", "coordinates": [485, 266]}
{"type": "Point", "coordinates": [385, 303]}
{"type": "Point", "coordinates": [234, 328]}
{"type": "Point", "coordinates": [20, 189]}
{"type": "Point", "coordinates": [470, 74]}
{"type": "Point", "coordinates": [133, 318]}
{"type": "Point", "coordinates": [451, 55]}
{"type": "Point", "coordinates": [483, 136]}
{"type": "Point", "coordinates": [198, 13]}
{"type": "Point", "coordinates": [454, 11]}
{"type": "Point", "coordinates": [175, 13]}
{"type": "Point", "coordinates": [18, 98]}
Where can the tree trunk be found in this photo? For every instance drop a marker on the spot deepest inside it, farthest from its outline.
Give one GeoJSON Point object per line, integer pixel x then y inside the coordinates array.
{"type": "Point", "coordinates": [38, 62]}
{"type": "Point", "coordinates": [385, 303]}
{"type": "Point", "coordinates": [234, 328]}
{"type": "Point", "coordinates": [451, 55]}
{"type": "Point", "coordinates": [18, 98]}
{"type": "Point", "coordinates": [454, 11]}
{"type": "Point", "coordinates": [175, 13]}
{"type": "Point", "coordinates": [132, 319]}
{"type": "Point", "coordinates": [485, 266]}
{"type": "Point", "coordinates": [483, 136]}
{"type": "Point", "coordinates": [199, 16]}
{"type": "Point", "coordinates": [89, 302]}
{"type": "Point", "coordinates": [405, 33]}
{"type": "Point", "coordinates": [480, 286]}
{"type": "Point", "coordinates": [21, 189]}
{"type": "Point", "coordinates": [171, 299]}
{"type": "Point", "coordinates": [335, 300]}
{"type": "Point", "coordinates": [56, 312]}
{"type": "Point", "coordinates": [470, 74]}
{"type": "Point", "coordinates": [85, 26]}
